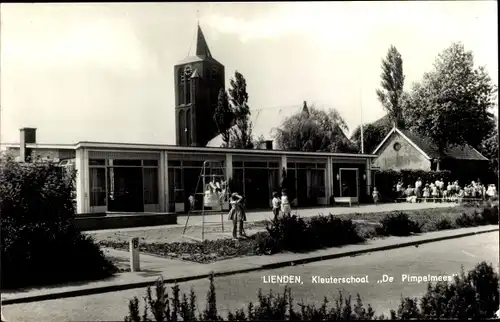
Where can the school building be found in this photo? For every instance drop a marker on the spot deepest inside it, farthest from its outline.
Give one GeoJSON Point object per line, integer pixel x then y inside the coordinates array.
{"type": "Point", "coordinates": [118, 177]}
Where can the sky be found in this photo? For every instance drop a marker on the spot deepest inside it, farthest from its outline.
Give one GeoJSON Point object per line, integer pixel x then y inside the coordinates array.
{"type": "Point", "coordinates": [104, 71]}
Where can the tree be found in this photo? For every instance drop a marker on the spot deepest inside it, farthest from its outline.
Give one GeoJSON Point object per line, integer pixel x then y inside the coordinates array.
{"type": "Point", "coordinates": [224, 117]}
{"type": "Point", "coordinates": [373, 134]}
{"type": "Point", "coordinates": [452, 105]}
{"type": "Point", "coordinates": [37, 230]}
{"type": "Point", "coordinates": [241, 134]}
{"type": "Point", "coordinates": [314, 130]}
{"type": "Point", "coordinates": [257, 143]}
{"type": "Point", "coordinates": [391, 94]}
{"type": "Point", "coordinates": [489, 148]}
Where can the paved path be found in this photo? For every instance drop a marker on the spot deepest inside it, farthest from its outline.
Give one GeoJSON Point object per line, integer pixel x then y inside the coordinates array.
{"type": "Point", "coordinates": [257, 216]}
{"type": "Point", "coordinates": [236, 291]}
{"type": "Point", "coordinates": [264, 215]}
{"type": "Point", "coordinates": [170, 269]}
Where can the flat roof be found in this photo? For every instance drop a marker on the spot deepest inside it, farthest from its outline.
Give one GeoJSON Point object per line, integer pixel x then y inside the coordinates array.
{"type": "Point", "coordinates": [134, 146]}
{"type": "Point", "coordinates": [175, 148]}
{"type": "Point", "coordinates": [41, 146]}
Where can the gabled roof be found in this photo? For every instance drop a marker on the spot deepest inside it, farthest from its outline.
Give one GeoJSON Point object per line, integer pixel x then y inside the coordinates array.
{"type": "Point", "coordinates": [195, 74]}
{"type": "Point", "coordinates": [430, 150]}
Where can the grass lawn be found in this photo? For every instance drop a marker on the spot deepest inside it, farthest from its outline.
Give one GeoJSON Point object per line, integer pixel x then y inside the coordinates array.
{"type": "Point", "coordinates": [365, 221]}
{"type": "Point", "coordinates": [169, 242]}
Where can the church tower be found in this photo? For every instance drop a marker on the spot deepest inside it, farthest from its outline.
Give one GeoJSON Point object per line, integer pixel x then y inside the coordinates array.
{"type": "Point", "coordinates": [198, 80]}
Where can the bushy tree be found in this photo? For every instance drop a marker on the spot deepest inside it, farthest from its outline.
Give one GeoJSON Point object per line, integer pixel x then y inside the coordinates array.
{"type": "Point", "coordinates": [314, 130]}
{"type": "Point", "coordinates": [489, 148]}
{"type": "Point", "coordinates": [224, 117]}
{"type": "Point", "coordinates": [39, 243]}
{"type": "Point", "coordinates": [452, 104]}
{"type": "Point", "coordinates": [391, 94]}
{"type": "Point", "coordinates": [241, 134]}
{"type": "Point", "coordinates": [373, 134]}
{"type": "Point", "coordinates": [257, 144]}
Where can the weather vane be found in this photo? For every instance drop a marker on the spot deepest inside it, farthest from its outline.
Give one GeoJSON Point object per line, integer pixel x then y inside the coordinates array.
{"type": "Point", "coordinates": [198, 14]}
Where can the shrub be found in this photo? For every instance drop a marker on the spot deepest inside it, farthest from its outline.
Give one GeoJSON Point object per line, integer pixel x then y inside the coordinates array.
{"type": "Point", "coordinates": [466, 220]}
{"type": "Point", "coordinates": [315, 232]}
{"type": "Point", "coordinates": [490, 214]}
{"type": "Point", "coordinates": [398, 224]}
{"type": "Point", "coordinates": [39, 243]}
{"type": "Point", "coordinates": [265, 244]}
{"type": "Point", "coordinates": [284, 231]}
{"type": "Point", "coordinates": [471, 296]}
{"type": "Point", "coordinates": [444, 223]}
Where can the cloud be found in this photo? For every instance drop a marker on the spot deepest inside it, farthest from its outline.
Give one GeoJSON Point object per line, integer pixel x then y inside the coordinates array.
{"type": "Point", "coordinates": [331, 23]}
{"type": "Point", "coordinates": [107, 44]}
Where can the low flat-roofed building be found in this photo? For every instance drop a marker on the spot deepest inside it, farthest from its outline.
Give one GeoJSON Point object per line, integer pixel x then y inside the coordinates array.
{"type": "Point", "coordinates": [122, 177]}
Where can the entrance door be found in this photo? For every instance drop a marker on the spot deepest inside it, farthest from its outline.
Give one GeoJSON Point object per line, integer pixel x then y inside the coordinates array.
{"type": "Point", "coordinates": [349, 183]}
{"type": "Point", "coordinates": [128, 190]}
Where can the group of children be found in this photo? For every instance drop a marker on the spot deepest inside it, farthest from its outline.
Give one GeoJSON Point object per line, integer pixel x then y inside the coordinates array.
{"type": "Point", "coordinates": [281, 204]}
{"type": "Point", "coordinates": [238, 216]}
{"type": "Point", "coordinates": [438, 190]}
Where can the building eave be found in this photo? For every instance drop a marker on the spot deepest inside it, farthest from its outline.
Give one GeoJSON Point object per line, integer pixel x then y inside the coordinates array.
{"type": "Point", "coordinates": [41, 146]}
{"type": "Point", "coordinates": [173, 148]}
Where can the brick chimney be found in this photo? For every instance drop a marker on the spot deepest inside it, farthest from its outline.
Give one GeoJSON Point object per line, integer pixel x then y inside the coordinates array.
{"type": "Point", "coordinates": [28, 136]}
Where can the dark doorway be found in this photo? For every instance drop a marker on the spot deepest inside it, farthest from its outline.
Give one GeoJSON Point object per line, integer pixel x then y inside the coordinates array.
{"type": "Point", "coordinates": [349, 183]}
{"type": "Point", "coordinates": [257, 188]}
{"type": "Point", "coordinates": [303, 188]}
{"type": "Point", "coordinates": [193, 185]}
{"type": "Point", "coordinates": [291, 177]}
{"type": "Point", "coordinates": [126, 190]}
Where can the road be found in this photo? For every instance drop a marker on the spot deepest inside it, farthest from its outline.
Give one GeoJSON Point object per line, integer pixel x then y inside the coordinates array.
{"type": "Point", "coordinates": [445, 257]}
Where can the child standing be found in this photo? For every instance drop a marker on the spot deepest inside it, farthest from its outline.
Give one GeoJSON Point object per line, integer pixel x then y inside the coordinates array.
{"type": "Point", "coordinates": [285, 203]}
{"type": "Point", "coordinates": [276, 205]}
{"type": "Point", "coordinates": [434, 192]}
{"type": "Point", "coordinates": [427, 192]}
{"type": "Point", "coordinates": [375, 195]}
{"type": "Point", "coordinates": [237, 215]}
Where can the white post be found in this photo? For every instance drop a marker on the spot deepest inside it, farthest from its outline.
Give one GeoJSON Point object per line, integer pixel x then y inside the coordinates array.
{"type": "Point", "coordinates": [82, 181]}
{"type": "Point", "coordinates": [361, 112]}
{"type": "Point", "coordinates": [368, 176]}
{"type": "Point", "coordinates": [134, 254]}
{"type": "Point", "coordinates": [163, 182]}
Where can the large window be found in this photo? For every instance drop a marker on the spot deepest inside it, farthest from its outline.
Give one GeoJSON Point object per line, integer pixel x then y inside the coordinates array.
{"type": "Point", "coordinates": [150, 186]}
{"type": "Point", "coordinates": [318, 184]}
{"type": "Point", "coordinates": [97, 187]}
{"type": "Point", "coordinates": [306, 182]}
{"type": "Point", "coordinates": [123, 184]}
{"type": "Point", "coordinates": [256, 180]}
{"type": "Point", "coordinates": [185, 180]}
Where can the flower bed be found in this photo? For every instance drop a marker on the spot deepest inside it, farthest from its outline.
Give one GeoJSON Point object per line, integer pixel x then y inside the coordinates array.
{"type": "Point", "coordinates": [318, 232]}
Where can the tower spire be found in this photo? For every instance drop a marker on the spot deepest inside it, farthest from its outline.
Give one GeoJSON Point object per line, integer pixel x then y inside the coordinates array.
{"type": "Point", "coordinates": [201, 44]}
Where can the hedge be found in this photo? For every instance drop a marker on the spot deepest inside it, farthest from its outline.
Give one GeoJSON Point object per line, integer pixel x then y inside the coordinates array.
{"type": "Point", "coordinates": [470, 296]}
{"type": "Point", "coordinates": [40, 246]}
